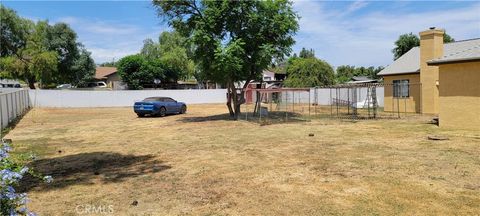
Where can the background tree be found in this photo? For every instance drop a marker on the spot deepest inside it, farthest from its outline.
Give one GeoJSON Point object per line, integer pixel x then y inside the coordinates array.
{"type": "Point", "coordinates": [63, 40]}
{"type": "Point", "coordinates": [405, 42]}
{"type": "Point", "coordinates": [136, 70]}
{"type": "Point", "coordinates": [172, 52]}
{"type": "Point", "coordinates": [150, 49]}
{"type": "Point", "coordinates": [13, 31]}
{"type": "Point", "coordinates": [304, 53]}
{"type": "Point", "coordinates": [39, 52]}
{"type": "Point", "coordinates": [83, 68]}
{"type": "Point", "coordinates": [309, 72]}
{"type": "Point", "coordinates": [233, 41]}
{"type": "Point", "coordinates": [447, 38]}
{"type": "Point", "coordinates": [345, 73]}
{"type": "Point", "coordinates": [32, 61]}
{"type": "Point", "coordinates": [129, 70]}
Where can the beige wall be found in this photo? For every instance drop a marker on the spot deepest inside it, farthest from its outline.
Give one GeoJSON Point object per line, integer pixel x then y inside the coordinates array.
{"type": "Point", "coordinates": [112, 78]}
{"type": "Point", "coordinates": [410, 104]}
{"type": "Point", "coordinates": [460, 95]}
{"type": "Point", "coordinates": [431, 47]}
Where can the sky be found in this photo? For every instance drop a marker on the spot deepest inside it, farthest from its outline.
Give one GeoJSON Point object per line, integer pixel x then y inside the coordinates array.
{"type": "Point", "coordinates": [359, 33]}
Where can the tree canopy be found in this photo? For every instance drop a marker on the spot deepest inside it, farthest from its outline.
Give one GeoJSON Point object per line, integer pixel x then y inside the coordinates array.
{"type": "Point", "coordinates": [233, 41]}
{"type": "Point", "coordinates": [405, 42]}
{"type": "Point", "coordinates": [172, 52]}
{"type": "Point", "coordinates": [167, 60]}
{"type": "Point", "coordinates": [39, 52]}
{"type": "Point", "coordinates": [83, 67]}
{"type": "Point", "coordinates": [132, 70]}
{"type": "Point", "coordinates": [344, 73]}
{"type": "Point", "coordinates": [304, 53]}
{"type": "Point", "coordinates": [309, 72]}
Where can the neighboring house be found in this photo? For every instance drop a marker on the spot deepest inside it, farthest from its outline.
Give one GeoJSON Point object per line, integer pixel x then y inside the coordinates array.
{"type": "Point", "coordinates": [110, 76]}
{"type": "Point", "coordinates": [361, 80]}
{"type": "Point", "coordinates": [413, 82]}
{"type": "Point", "coordinates": [268, 75]}
{"type": "Point", "coordinates": [459, 87]}
{"type": "Point", "coordinates": [269, 80]}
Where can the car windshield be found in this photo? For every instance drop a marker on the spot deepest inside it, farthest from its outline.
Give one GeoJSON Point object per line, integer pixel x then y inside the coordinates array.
{"type": "Point", "coordinates": [154, 99]}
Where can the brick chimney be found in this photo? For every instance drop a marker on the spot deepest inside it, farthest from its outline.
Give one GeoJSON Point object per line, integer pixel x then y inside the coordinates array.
{"type": "Point", "coordinates": [431, 47]}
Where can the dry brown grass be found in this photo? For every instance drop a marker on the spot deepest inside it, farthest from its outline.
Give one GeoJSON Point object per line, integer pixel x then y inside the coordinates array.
{"type": "Point", "coordinates": [201, 164]}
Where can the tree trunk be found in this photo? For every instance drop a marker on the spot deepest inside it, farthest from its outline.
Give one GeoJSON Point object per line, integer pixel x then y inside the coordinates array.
{"type": "Point", "coordinates": [235, 99]}
{"type": "Point", "coordinates": [256, 109]}
{"type": "Point", "coordinates": [236, 109]}
{"type": "Point", "coordinates": [230, 93]}
{"type": "Point", "coordinates": [31, 83]}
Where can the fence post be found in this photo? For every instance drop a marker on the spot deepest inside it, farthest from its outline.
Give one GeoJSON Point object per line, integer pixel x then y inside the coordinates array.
{"type": "Point", "coordinates": [1, 113]}
{"type": "Point", "coordinates": [8, 107]}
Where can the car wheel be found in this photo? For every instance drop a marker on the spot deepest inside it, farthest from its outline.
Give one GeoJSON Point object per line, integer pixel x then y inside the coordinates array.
{"type": "Point", "coordinates": [140, 115]}
{"type": "Point", "coordinates": [183, 110]}
{"type": "Point", "coordinates": [162, 111]}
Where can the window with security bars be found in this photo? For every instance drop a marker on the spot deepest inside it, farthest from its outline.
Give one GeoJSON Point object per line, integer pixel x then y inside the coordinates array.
{"type": "Point", "coordinates": [401, 88]}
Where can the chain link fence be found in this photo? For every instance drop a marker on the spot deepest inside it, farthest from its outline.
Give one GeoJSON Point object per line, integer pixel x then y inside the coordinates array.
{"type": "Point", "coordinates": [350, 101]}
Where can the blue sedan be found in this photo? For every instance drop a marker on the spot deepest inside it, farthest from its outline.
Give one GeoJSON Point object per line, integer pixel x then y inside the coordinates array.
{"type": "Point", "coordinates": [158, 106]}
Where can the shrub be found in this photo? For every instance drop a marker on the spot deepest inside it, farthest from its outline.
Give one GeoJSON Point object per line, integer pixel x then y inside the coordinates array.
{"type": "Point", "coordinates": [11, 172]}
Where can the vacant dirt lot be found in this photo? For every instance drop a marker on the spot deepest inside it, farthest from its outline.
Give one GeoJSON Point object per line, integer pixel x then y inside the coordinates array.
{"type": "Point", "coordinates": [201, 164]}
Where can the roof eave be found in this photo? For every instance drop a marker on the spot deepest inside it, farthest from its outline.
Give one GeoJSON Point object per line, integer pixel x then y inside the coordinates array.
{"type": "Point", "coordinates": [399, 73]}
{"type": "Point", "coordinates": [110, 74]}
{"type": "Point", "coordinates": [451, 61]}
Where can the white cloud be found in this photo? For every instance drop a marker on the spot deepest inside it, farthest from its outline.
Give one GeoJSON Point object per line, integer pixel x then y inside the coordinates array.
{"type": "Point", "coordinates": [365, 40]}
{"type": "Point", "coordinates": [109, 40]}
{"type": "Point", "coordinates": [368, 39]}
{"type": "Point", "coordinates": [357, 5]}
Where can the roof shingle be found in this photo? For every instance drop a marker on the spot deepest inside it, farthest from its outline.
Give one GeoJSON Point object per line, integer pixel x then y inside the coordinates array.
{"type": "Point", "coordinates": [103, 72]}
{"type": "Point", "coordinates": [410, 61]}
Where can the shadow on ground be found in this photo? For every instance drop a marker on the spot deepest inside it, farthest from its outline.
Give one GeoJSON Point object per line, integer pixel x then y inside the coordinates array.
{"type": "Point", "coordinates": [219, 117]}
{"type": "Point", "coordinates": [272, 118]}
{"type": "Point", "coordinates": [88, 168]}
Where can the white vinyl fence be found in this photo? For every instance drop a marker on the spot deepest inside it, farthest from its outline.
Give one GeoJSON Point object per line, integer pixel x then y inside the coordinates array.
{"type": "Point", "coordinates": [79, 98]}
{"type": "Point", "coordinates": [13, 103]}
{"type": "Point", "coordinates": [324, 96]}
{"type": "Point", "coordinates": [83, 98]}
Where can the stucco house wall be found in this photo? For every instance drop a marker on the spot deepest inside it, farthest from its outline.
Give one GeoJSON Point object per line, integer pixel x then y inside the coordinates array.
{"type": "Point", "coordinates": [459, 92]}
{"type": "Point", "coordinates": [431, 47]}
{"type": "Point", "coordinates": [410, 104]}
{"type": "Point", "coordinates": [112, 78]}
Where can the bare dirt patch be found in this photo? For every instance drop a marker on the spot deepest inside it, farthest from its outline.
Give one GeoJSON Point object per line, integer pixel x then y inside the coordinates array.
{"type": "Point", "coordinates": [201, 163]}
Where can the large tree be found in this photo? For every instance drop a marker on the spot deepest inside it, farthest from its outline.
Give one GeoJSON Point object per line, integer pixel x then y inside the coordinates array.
{"type": "Point", "coordinates": [83, 68]}
{"type": "Point", "coordinates": [63, 40]}
{"type": "Point", "coordinates": [39, 52]}
{"type": "Point", "coordinates": [233, 41]}
{"type": "Point", "coordinates": [13, 31]}
{"type": "Point", "coordinates": [405, 42]}
{"type": "Point", "coordinates": [309, 72]}
{"type": "Point", "coordinates": [173, 53]}
{"type": "Point", "coordinates": [29, 59]}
